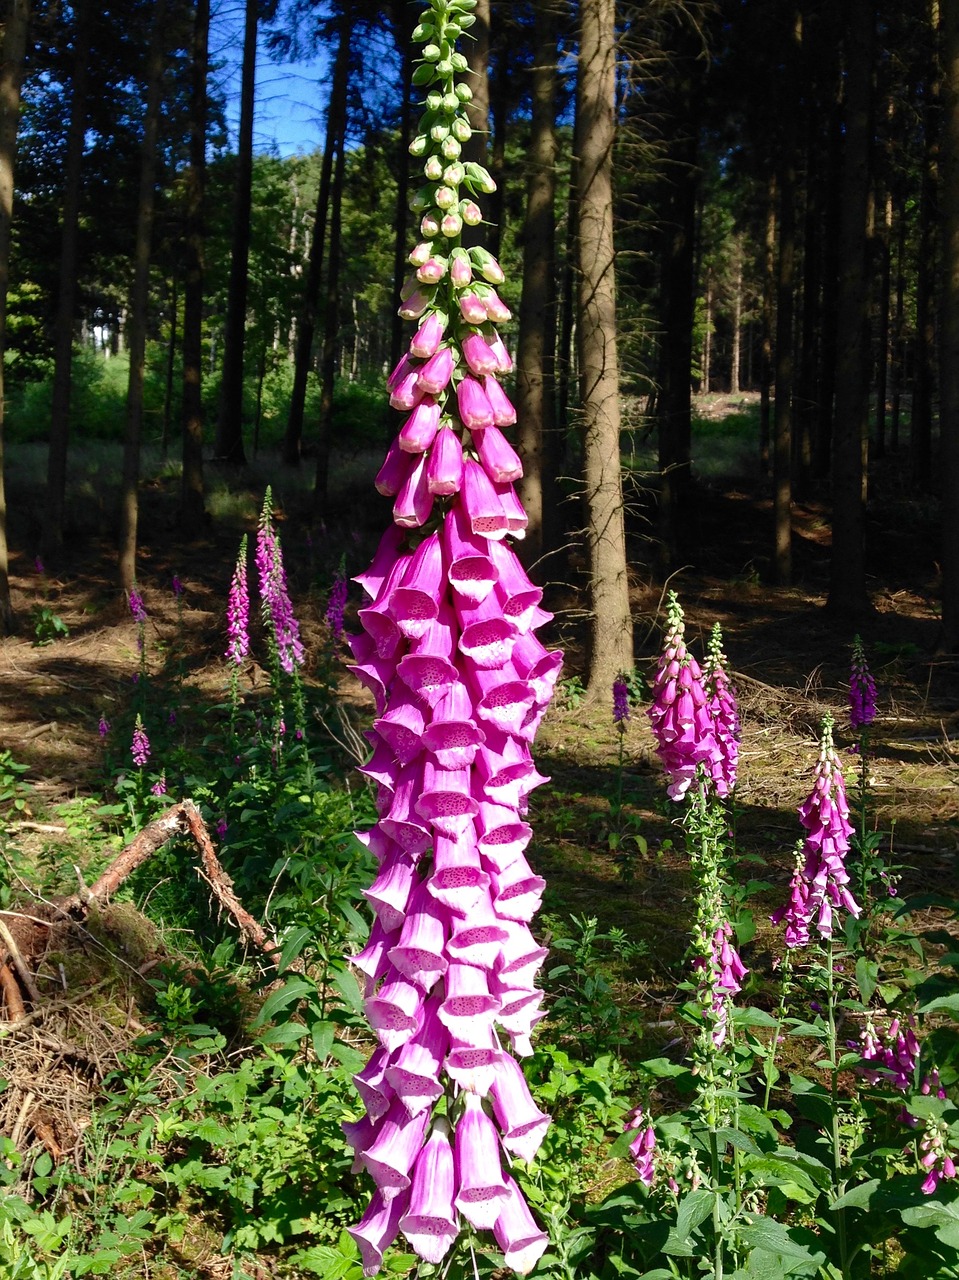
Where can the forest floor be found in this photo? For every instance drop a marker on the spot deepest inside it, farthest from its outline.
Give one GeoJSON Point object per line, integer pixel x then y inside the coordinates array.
{"type": "Point", "coordinates": [789, 660]}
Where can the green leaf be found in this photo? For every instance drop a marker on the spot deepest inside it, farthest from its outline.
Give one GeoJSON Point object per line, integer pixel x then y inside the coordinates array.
{"type": "Point", "coordinates": [292, 990]}
{"type": "Point", "coordinates": [772, 1237]}
{"type": "Point", "coordinates": [293, 946]}
{"type": "Point", "coordinates": [346, 985]}
{"type": "Point", "coordinates": [322, 1035]}
{"type": "Point", "coordinates": [942, 1217]}
{"type": "Point", "coordinates": [859, 1197]}
{"type": "Point", "coordinates": [753, 1018]}
{"type": "Point", "coordinates": [942, 1004]}
{"type": "Point", "coordinates": [867, 975]}
{"type": "Point", "coordinates": [693, 1210]}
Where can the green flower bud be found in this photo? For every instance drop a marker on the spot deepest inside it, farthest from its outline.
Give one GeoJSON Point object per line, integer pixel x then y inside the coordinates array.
{"type": "Point", "coordinates": [450, 148]}
{"type": "Point", "coordinates": [454, 30]}
{"type": "Point", "coordinates": [446, 67]}
{"type": "Point", "coordinates": [480, 178]}
{"type": "Point", "coordinates": [453, 174]}
{"type": "Point", "coordinates": [423, 31]}
{"type": "Point", "coordinates": [466, 20]}
{"type": "Point", "coordinates": [464, 93]}
{"type": "Point", "coordinates": [439, 132]}
{"type": "Point", "coordinates": [418, 145]}
{"type": "Point", "coordinates": [461, 129]}
{"type": "Point", "coordinates": [431, 53]}
{"type": "Point", "coordinates": [451, 102]}
{"type": "Point", "coordinates": [459, 62]}
{"type": "Point", "coordinates": [421, 199]}
{"type": "Point", "coordinates": [423, 74]}
{"type": "Point", "coordinates": [433, 169]}
{"type": "Point", "coordinates": [434, 100]}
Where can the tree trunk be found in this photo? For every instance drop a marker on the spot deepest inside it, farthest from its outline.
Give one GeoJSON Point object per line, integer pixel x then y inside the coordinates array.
{"type": "Point", "coordinates": [500, 94]}
{"type": "Point", "coordinates": [949, 349]}
{"type": "Point", "coordinates": [785, 366]}
{"type": "Point", "coordinates": [847, 587]}
{"type": "Point", "coordinates": [192, 490]}
{"type": "Point", "coordinates": [15, 27]}
{"type": "Point", "coordinates": [537, 310]}
{"type": "Point", "coordinates": [920, 432]}
{"type": "Point", "coordinates": [170, 365]}
{"type": "Point", "coordinates": [768, 313]}
{"type": "Point", "coordinates": [229, 432]}
{"type": "Point", "coordinates": [611, 635]}
{"type": "Point", "coordinates": [896, 362]}
{"type": "Point", "coordinates": [735, 358]}
{"type": "Point", "coordinates": [138, 303]}
{"type": "Point", "coordinates": [401, 216]}
{"type": "Point", "coordinates": [331, 325]}
{"type": "Point", "coordinates": [66, 301]}
{"type": "Point", "coordinates": [707, 335]}
{"type": "Point", "coordinates": [476, 49]}
{"type": "Point", "coordinates": [306, 325]}
{"type": "Point", "coordinates": [885, 296]}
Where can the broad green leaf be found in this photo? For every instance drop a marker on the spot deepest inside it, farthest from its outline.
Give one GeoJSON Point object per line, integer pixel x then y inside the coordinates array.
{"type": "Point", "coordinates": [293, 989]}
{"type": "Point", "coordinates": [859, 1197]}
{"type": "Point", "coordinates": [942, 1004]}
{"type": "Point", "coordinates": [943, 1218]}
{"type": "Point", "coordinates": [693, 1210]}
{"type": "Point", "coordinates": [867, 975]}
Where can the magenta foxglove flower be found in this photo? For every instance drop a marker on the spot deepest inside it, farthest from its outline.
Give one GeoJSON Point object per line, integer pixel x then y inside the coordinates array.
{"type": "Point", "coordinates": [238, 611]}
{"type": "Point", "coordinates": [460, 683]}
{"type": "Point", "coordinates": [137, 607]}
{"type": "Point", "coordinates": [643, 1146]}
{"type": "Point", "coordinates": [938, 1161]}
{"type": "Point", "coordinates": [177, 587]}
{"type": "Point", "coordinates": [725, 712]}
{"type": "Point", "coordinates": [140, 744]}
{"type": "Point", "coordinates": [159, 787]}
{"type": "Point", "coordinates": [680, 716]}
{"type": "Point", "coordinates": [862, 689]}
{"type": "Point", "coordinates": [819, 887]}
{"type": "Point", "coordinates": [274, 592]}
{"type": "Point", "coordinates": [721, 973]}
{"type": "Point", "coordinates": [892, 1057]}
{"type": "Point", "coordinates": [620, 702]}
{"type": "Point", "coordinates": [103, 727]}
{"type": "Point", "coordinates": [336, 605]}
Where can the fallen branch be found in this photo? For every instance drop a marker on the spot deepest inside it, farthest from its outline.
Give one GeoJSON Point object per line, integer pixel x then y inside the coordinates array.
{"type": "Point", "coordinates": [12, 999]}
{"type": "Point", "coordinates": [182, 819]}
{"type": "Point", "coordinates": [26, 977]}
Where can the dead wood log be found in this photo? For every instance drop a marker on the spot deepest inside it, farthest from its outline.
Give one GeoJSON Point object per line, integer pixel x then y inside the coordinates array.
{"type": "Point", "coordinates": [12, 999]}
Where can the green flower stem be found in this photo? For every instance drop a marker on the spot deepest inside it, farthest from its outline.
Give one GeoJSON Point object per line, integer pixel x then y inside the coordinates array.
{"type": "Point", "coordinates": [838, 1185]}
{"type": "Point", "coordinates": [780, 1019]}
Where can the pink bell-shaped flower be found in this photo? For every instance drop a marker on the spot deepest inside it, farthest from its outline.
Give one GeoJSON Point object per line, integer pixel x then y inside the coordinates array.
{"type": "Point", "coordinates": [430, 1224]}
{"type": "Point", "coordinates": [479, 356]}
{"type": "Point", "coordinates": [473, 404]}
{"type": "Point", "coordinates": [434, 375]}
{"type": "Point", "coordinates": [453, 734]}
{"type": "Point", "coordinates": [472, 571]}
{"type": "Point", "coordinates": [399, 1138]}
{"type": "Point", "coordinates": [413, 603]}
{"type": "Point", "coordinates": [419, 954]}
{"type": "Point", "coordinates": [428, 336]}
{"type": "Point", "coordinates": [444, 467]}
{"type": "Point", "coordinates": [504, 411]}
{"type": "Point", "coordinates": [480, 1186]}
{"type": "Point", "coordinates": [419, 430]}
{"type": "Point", "coordinates": [414, 502]}
{"type": "Point", "coordinates": [393, 473]}
{"type": "Point", "coordinates": [522, 1241]}
{"type": "Point", "coordinates": [458, 881]}
{"type": "Point", "coordinates": [522, 1123]}
{"type": "Point", "coordinates": [377, 1229]}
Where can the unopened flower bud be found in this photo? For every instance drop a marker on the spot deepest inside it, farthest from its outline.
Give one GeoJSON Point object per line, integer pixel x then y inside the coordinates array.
{"type": "Point", "coordinates": [421, 199]}
{"type": "Point", "coordinates": [432, 271]}
{"type": "Point", "coordinates": [461, 129]}
{"type": "Point", "coordinates": [433, 169]}
{"type": "Point", "coordinates": [451, 102]}
{"type": "Point", "coordinates": [461, 270]}
{"type": "Point", "coordinates": [471, 213]}
{"type": "Point", "coordinates": [434, 100]}
{"type": "Point", "coordinates": [480, 178]}
{"type": "Point", "coordinates": [420, 254]}
{"type": "Point", "coordinates": [459, 62]}
{"type": "Point", "coordinates": [450, 148]}
{"type": "Point", "coordinates": [445, 68]}
{"type": "Point", "coordinates": [430, 225]}
{"type": "Point", "coordinates": [418, 145]}
{"type": "Point", "coordinates": [431, 53]}
{"type": "Point", "coordinates": [439, 132]}
{"type": "Point", "coordinates": [445, 198]}
{"type": "Point", "coordinates": [453, 174]}
{"type": "Point", "coordinates": [464, 92]}
{"type": "Point", "coordinates": [487, 265]}
{"type": "Point", "coordinates": [451, 225]}
{"type": "Point", "coordinates": [423, 31]}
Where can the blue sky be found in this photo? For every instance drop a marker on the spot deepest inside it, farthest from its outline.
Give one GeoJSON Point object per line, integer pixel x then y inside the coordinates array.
{"type": "Point", "coordinates": [290, 100]}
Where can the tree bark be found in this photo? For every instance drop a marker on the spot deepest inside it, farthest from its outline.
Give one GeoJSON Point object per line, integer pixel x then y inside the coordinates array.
{"type": "Point", "coordinates": [476, 50]}
{"type": "Point", "coordinates": [768, 314]}
{"type": "Point", "coordinates": [785, 366]}
{"type": "Point", "coordinates": [192, 490]}
{"type": "Point", "coordinates": [138, 304]}
{"type": "Point", "coordinates": [949, 340]}
{"type": "Point", "coordinates": [331, 324]}
{"type": "Point", "coordinates": [15, 28]}
{"type": "Point", "coordinates": [401, 216]}
{"type": "Point", "coordinates": [306, 325]}
{"type": "Point", "coordinates": [229, 434]}
{"type": "Point", "coordinates": [535, 364]}
{"type": "Point", "coordinates": [59, 436]}
{"type": "Point", "coordinates": [735, 357]}
{"type": "Point", "coordinates": [611, 633]}
{"type": "Point", "coordinates": [920, 430]}
{"type": "Point", "coordinates": [885, 297]}
{"type": "Point", "coordinates": [847, 588]}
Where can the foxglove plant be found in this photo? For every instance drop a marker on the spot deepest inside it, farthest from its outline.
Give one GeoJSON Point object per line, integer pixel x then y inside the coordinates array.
{"type": "Point", "coordinates": [460, 683]}
{"type": "Point", "coordinates": [336, 605]}
{"type": "Point", "coordinates": [140, 744]}
{"type": "Point", "coordinates": [862, 689]}
{"type": "Point", "coordinates": [281, 625]}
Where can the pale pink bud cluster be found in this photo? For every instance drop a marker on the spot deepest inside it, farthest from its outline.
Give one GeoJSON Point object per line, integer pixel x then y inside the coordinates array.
{"type": "Point", "coordinates": [819, 886]}
{"type": "Point", "coordinates": [724, 709]}
{"type": "Point", "coordinates": [682, 719]}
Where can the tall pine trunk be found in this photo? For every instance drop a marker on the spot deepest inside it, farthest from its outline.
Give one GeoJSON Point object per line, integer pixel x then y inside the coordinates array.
{"type": "Point", "coordinates": [847, 585]}
{"type": "Point", "coordinates": [16, 20]}
{"type": "Point", "coordinates": [537, 310]}
{"type": "Point", "coordinates": [767, 317]}
{"type": "Point", "coordinates": [404, 31]}
{"type": "Point", "coordinates": [59, 436]}
{"type": "Point", "coordinates": [331, 319]}
{"type": "Point", "coordinates": [306, 325]}
{"type": "Point", "coordinates": [138, 304]}
{"type": "Point", "coordinates": [611, 632]}
{"type": "Point", "coordinates": [920, 431]}
{"type": "Point", "coordinates": [949, 348]}
{"type": "Point", "coordinates": [229, 433]}
{"type": "Point", "coordinates": [192, 490]}
{"type": "Point", "coordinates": [785, 365]}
